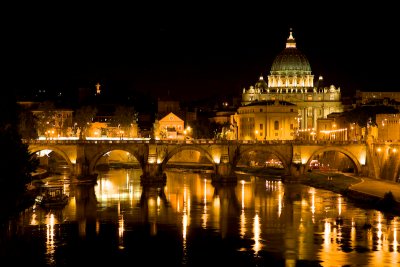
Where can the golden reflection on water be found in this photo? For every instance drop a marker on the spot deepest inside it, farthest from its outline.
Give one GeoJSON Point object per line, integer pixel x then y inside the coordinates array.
{"type": "Point", "coordinates": [298, 222]}
{"type": "Point", "coordinates": [50, 236]}
{"type": "Point", "coordinates": [204, 216]}
{"type": "Point", "coordinates": [257, 233]}
{"type": "Point", "coordinates": [242, 214]}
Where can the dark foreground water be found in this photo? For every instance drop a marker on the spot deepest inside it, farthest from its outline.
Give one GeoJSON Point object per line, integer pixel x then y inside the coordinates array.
{"type": "Point", "coordinates": [190, 222]}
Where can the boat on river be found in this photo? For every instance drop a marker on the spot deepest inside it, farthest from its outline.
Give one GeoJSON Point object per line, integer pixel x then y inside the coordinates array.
{"type": "Point", "coordinates": [52, 197]}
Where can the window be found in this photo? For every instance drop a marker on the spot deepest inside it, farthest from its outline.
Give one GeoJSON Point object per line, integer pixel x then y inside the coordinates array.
{"type": "Point", "coordinates": [261, 126]}
{"type": "Point", "coordinates": [276, 125]}
{"type": "Point", "coordinates": [291, 126]}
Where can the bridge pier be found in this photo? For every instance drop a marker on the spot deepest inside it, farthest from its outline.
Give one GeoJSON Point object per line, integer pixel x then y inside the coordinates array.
{"type": "Point", "coordinates": [224, 174]}
{"type": "Point", "coordinates": [153, 174]}
{"type": "Point", "coordinates": [297, 169]}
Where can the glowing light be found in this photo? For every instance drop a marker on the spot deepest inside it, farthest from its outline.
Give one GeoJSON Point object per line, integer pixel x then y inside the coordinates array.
{"type": "Point", "coordinates": [362, 157]}
{"type": "Point", "coordinates": [242, 224]}
{"type": "Point", "coordinates": [327, 233]}
{"type": "Point", "coordinates": [312, 192]}
{"type": "Point", "coordinates": [33, 220]}
{"type": "Point", "coordinates": [121, 229]}
{"type": "Point", "coordinates": [44, 152]}
{"type": "Point", "coordinates": [184, 224]}
{"type": "Point", "coordinates": [50, 243]}
{"type": "Point", "coordinates": [204, 216]}
{"type": "Point", "coordinates": [257, 233]}
{"type": "Point", "coordinates": [279, 204]}
{"type": "Point", "coordinates": [379, 233]}
{"type": "Point", "coordinates": [395, 243]}
{"type": "Point", "coordinates": [158, 201]}
{"type": "Point", "coordinates": [242, 182]}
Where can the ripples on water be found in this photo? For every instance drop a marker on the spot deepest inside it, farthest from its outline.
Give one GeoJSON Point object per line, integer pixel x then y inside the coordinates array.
{"type": "Point", "coordinates": [190, 222]}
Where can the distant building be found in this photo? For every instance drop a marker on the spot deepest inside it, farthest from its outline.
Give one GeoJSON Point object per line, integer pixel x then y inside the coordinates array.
{"type": "Point", "coordinates": [388, 127]}
{"type": "Point", "coordinates": [291, 80]}
{"type": "Point", "coordinates": [169, 127]}
{"type": "Point", "coordinates": [365, 97]}
{"type": "Point", "coordinates": [266, 120]}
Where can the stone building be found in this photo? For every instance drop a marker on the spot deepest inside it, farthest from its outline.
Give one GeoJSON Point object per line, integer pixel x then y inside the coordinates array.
{"type": "Point", "coordinates": [266, 120]}
{"type": "Point", "coordinates": [291, 80]}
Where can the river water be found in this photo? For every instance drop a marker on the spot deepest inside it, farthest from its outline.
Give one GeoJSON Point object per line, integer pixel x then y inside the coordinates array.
{"type": "Point", "coordinates": [192, 222]}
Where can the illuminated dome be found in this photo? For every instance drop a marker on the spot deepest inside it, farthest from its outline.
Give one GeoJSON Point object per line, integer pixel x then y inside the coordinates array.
{"type": "Point", "coordinates": [261, 84]}
{"type": "Point", "coordinates": [290, 61]}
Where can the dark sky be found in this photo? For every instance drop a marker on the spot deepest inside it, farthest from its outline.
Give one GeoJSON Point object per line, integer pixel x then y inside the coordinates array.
{"type": "Point", "coordinates": [195, 50]}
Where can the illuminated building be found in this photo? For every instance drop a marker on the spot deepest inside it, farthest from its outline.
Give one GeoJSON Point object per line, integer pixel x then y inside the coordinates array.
{"type": "Point", "coordinates": [169, 127]}
{"type": "Point", "coordinates": [266, 120]}
{"type": "Point", "coordinates": [291, 80]}
{"type": "Point", "coordinates": [388, 127]}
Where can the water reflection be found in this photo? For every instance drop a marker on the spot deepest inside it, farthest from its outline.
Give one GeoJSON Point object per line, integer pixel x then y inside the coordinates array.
{"type": "Point", "coordinates": [191, 221]}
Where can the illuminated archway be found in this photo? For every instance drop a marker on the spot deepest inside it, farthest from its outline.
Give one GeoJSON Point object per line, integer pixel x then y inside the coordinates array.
{"type": "Point", "coordinates": [345, 152]}
{"type": "Point", "coordinates": [68, 159]}
{"type": "Point", "coordinates": [188, 148]}
{"type": "Point", "coordinates": [96, 158]}
{"type": "Point", "coordinates": [269, 150]}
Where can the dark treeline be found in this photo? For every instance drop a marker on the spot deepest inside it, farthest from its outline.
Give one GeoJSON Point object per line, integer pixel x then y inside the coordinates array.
{"type": "Point", "coordinates": [16, 162]}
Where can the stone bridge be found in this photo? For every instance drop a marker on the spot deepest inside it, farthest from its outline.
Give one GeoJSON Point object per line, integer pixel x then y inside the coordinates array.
{"type": "Point", "coordinates": [153, 155]}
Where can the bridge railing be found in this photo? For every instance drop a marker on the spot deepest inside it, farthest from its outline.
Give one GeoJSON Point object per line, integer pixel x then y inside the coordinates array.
{"type": "Point", "coordinates": [192, 141]}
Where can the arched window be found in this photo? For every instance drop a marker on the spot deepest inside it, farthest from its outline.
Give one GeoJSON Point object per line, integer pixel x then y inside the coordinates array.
{"type": "Point", "coordinates": [276, 125]}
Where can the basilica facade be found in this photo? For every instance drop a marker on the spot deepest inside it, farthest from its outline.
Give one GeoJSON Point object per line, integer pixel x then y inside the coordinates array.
{"type": "Point", "coordinates": [291, 80]}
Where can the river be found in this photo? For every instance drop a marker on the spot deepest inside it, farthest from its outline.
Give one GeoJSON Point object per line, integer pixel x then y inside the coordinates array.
{"type": "Point", "coordinates": [192, 222]}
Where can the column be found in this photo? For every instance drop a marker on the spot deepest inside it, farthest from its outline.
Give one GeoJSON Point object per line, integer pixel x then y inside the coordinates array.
{"type": "Point", "coordinates": [305, 118]}
{"type": "Point", "coordinates": [314, 118]}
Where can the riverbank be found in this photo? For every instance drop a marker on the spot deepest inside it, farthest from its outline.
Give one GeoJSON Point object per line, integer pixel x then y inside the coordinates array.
{"type": "Point", "coordinates": [365, 192]}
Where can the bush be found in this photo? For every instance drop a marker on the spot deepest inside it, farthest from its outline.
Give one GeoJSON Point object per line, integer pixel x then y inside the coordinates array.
{"type": "Point", "coordinates": [388, 202]}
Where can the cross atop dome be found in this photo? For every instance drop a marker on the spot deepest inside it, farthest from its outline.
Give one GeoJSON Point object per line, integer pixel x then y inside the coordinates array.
{"type": "Point", "coordinates": [291, 43]}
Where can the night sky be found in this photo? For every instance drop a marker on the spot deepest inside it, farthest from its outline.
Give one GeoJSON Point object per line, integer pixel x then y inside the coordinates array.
{"type": "Point", "coordinates": [194, 50]}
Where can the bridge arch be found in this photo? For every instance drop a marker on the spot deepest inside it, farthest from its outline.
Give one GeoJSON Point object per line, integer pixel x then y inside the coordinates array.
{"type": "Point", "coordinates": [347, 153]}
{"type": "Point", "coordinates": [285, 162]}
{"type": "Point", "coordinates": [178, 149]}
{"type": "Point", "coordinates": [96, 157]}
{"type": "Point", "coordinates": [68, 159]}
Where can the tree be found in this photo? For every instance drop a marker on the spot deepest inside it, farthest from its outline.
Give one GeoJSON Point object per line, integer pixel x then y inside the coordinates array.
{"type": "Point", "coordinates": [27, 125]}
{"type": "Point", "coordinates": [362, 115]}
{"type": "Point", "coordinates": [15, 157]}
{"type": "Point", "coordinates": [83, 117]}
{"type": "Point", "coordinates": [124, 117]}
{"type": "Point", "coordinates": [45, 117]}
